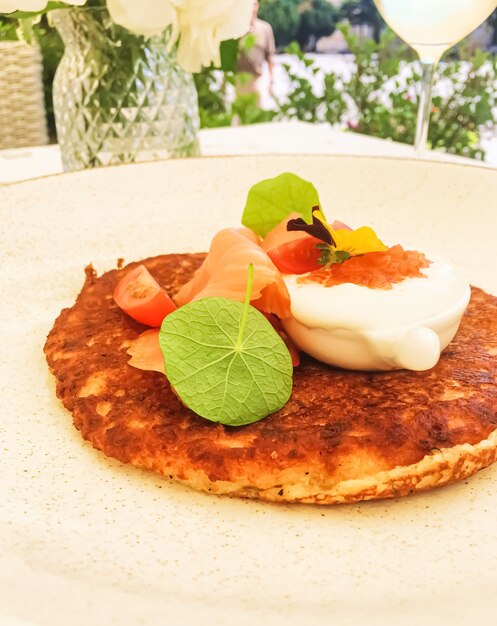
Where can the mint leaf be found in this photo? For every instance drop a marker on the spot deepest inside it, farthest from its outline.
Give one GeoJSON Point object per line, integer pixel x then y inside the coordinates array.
{"type": "Point", "coordinates": [225, 360]}
{"type": "Point", "coordinates": [273, 199]}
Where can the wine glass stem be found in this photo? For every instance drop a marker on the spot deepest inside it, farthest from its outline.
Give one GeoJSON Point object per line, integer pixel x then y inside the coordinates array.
{"type": "Point", "coordinates": [424, 109]}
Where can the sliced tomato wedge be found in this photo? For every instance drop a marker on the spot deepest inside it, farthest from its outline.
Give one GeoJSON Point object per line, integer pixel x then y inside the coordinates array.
{"type": "Point", "coordinates": [140, 296]}
{"type": "Point", "coordinates": [297, 257]}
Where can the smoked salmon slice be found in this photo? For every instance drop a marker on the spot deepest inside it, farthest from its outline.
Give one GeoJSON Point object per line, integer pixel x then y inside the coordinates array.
{"type": "Point", "coordinates": [225, 269]}
{"type": "Point", "coordinates": [145, 352]}
{"type": "Point", "coordinates": [280, 235]}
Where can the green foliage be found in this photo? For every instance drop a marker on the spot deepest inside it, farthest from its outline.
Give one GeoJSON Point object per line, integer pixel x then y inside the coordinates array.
{"type": "Point", "coordinates": [376, 107]}
{"type": "Point", "coordinates": [386, 105]}
{"type": "Point", "coordinates": [284, 17]}
{"type": "Point", "coordinates": [358, 12]}
{"type": "Point", "coordinates": [271, 200]}
{"type": "Point", "coordinates": [304, 21]}
{"type": "Point", "coordinates": [303, 102]}
{"type": "Point", "coordinates": [23, 15]}
{"type": "Point", "coordinates": [212, 87]}
{"type": "Point", "coordinates": [318, 19]}
{"type": "Point", "coordinates": [7, 29]}
{"type": "Point", "coordinates": [229, 54]}
{"type": "Point", "coordinates": [379, 98]}
{"type": "Point", "coordinates": [216, 107]}
{"type": "Point", "coordinates": [52, 50]}
{"type": "Point", "coordinates": [246, 110]}
{"type": "Point", "coordinates": [456, 120]}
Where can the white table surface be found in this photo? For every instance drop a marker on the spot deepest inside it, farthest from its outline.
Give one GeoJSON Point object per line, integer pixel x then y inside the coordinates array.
{"type": "Point", "coordinates": [272, 138]}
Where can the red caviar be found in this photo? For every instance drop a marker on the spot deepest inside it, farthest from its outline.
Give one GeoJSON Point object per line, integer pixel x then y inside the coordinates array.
{"type": "Point", "coordinates": [376, 270]}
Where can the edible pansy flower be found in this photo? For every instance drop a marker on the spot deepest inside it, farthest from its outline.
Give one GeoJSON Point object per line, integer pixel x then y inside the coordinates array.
{"type": "Point", "coordinates": [360, 241]}
{"type": "Point", "coordinates": [339, 244]}
{"type": "Point", "coordinates": [319, 227]}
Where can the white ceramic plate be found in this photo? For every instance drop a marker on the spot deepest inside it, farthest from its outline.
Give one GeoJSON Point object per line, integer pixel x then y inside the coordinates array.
{"type": "Point", "coordinates": [87, 540]}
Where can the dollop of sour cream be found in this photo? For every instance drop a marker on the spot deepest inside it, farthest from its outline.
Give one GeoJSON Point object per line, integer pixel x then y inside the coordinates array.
{"type": "Point", "coordinates": [360, 328]}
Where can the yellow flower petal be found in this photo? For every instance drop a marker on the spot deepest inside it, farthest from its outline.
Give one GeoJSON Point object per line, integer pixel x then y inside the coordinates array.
{"type": "Point", "coordinates": [355, 242]}
{"type": "Point", "coordinates": [358, 241]}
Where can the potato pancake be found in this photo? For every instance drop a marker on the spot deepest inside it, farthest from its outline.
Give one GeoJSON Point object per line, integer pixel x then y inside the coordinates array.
{"type": "Point", "coordinates": [344, 436]}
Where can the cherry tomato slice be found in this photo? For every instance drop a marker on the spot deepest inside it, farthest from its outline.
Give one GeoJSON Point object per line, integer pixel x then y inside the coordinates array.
{"type": "Point", "coordinates": [140, 296]}
{"type": "Point", "coordinates": [297, 257]}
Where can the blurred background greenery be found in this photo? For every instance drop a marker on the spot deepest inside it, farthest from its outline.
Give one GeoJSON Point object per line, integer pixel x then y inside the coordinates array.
{"type": "Point", "coordinates": [376, 96]}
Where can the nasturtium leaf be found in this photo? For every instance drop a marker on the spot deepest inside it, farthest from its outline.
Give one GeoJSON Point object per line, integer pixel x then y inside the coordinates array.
{"type": "Point", "coordinates": [272, 200]}
{"type": "Point", "coordinates": [225, 361]}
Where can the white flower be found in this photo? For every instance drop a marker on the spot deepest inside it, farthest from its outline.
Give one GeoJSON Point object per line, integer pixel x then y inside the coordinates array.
{"type": "Point", "coordinates": [144, 17]}
{"type": "Point", "coordinates": [200, 25]}
{"type": "Point", "coordinates": [203, 24]}
{"type": "Point", "coordinates": [9, 6]}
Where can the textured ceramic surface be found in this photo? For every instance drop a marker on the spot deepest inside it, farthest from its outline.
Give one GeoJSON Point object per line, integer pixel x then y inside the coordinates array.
{"type": "Point", "coordinates": [87, 540]}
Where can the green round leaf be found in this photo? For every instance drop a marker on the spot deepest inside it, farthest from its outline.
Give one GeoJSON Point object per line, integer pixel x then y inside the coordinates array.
{"type": "Point", "coordinates": [273, 199]}
{"type": "Point", "coordinates": [226, 365]}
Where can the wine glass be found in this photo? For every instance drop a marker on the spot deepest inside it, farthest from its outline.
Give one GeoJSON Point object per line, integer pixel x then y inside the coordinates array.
{"type": "Point", "coordinates": [431, 27]}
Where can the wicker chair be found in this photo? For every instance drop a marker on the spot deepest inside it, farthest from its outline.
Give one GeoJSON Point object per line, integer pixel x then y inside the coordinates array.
{"type": "Point", "coordinates": [22, 108]}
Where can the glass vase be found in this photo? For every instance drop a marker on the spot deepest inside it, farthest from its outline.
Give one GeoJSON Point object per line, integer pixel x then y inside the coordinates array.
{"type": "Point", "coordinates": [119, 98]}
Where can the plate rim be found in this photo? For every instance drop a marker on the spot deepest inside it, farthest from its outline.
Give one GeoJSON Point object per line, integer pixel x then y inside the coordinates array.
{"type": "Point", "coordinates": [481, 166]}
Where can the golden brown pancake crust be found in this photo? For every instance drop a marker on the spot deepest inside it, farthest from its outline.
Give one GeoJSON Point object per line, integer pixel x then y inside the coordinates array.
{"type": "Point", "coordinates": [333, 441]}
